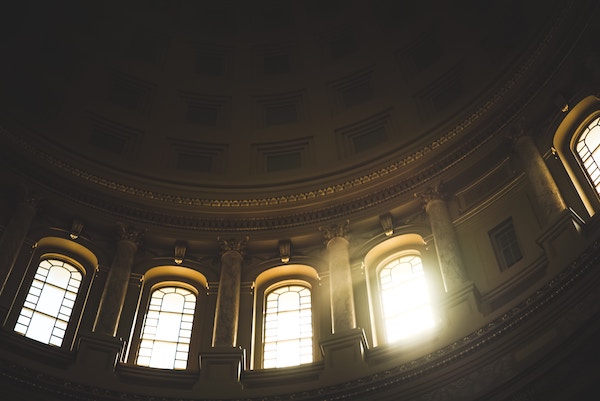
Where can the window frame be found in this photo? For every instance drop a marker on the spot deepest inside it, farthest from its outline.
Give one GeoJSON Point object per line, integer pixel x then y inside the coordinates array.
{"type": "Point", "coordinates": [565, 141]}
{"type": "Point", "coordinates": [381, 254]}
{"type": "Point", "coordinates": [384, 264]}
{"type": "Point", "coordinates": [270, 290]}
{"type": "Point", "coordinates": [158, 287]}
{"type": "Point", "coordinates": [494, 235]}
{"type": "Point", "coordinates": [69, 295]}
{"type": "Point", "coordinates": [277, 277]}
{"type": "Point", "coordinates": [170, 276]}
{"type": "Point", "coordinates": [77, 256]}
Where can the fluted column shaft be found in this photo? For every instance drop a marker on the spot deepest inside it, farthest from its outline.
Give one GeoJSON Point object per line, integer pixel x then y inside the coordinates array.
{"type": "Point", "coordinates": [446, 244]}
{"type": "Point", "coordinates": [115, 289]}
{"type": "Point", "coordinates": [343, 315]}
{"type": "Point", "coordinates": [542, 182]}
{"type": "Point", "coordinates": [228, 298]}
{"type": "Point", "coordinates": [340, 278]}
{"type": "Point", "coordinates": [13, 236]}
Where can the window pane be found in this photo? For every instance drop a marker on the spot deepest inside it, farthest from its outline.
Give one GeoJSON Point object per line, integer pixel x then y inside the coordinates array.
{"type": "Point", "coordinates": [405, 299]}
{"type": "Point", "coordinates": [505, 244]}
{"type": "Point", "coordinates": [287, 337]}
{"type": "Point", "coordinates": [167, 329]}
{"type": "Point", "coordinates": [588, 150]}
{"type": "Point", "coordinates": [50, 301]}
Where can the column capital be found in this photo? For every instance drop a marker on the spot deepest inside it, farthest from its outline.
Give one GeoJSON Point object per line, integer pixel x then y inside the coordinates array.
{"type": "Point", "coordinates": [27, 196]}
{"type": "Point", "coordinates": [233, 244]}
{"type": "Point", "coordinates": [130, 233]}
{"type": "Point", "coordinates": [30, 199]}
{"type": "Point", "coordinates": [520, 132]}
{"type": "Point", "coordinates": [437, 192]}
{"type": "Point", "coordinates": [335, 230]}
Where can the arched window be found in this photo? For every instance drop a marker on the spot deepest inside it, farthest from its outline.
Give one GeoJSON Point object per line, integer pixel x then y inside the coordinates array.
{"type": "Point", "coordinates": [287, 319]}
{"type": "Point", "coordinates": [288, 332]}
{"type": "Point", "coordinates": [167, 329]}
{"type": "Point", "coordinates": [577, 144]}
{"type": "Point", "coordinates": [587, 147]}
{"type": "Point", "coordinates": [167, 326]}
{"type": "Point", "coordinates": [402, 285]}
{"type": "Point", "coordinates": [49, 303]}
{"type": "Point", "coordinates": [405, 298]}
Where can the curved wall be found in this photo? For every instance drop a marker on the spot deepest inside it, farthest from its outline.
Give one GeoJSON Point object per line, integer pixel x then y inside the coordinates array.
{"type": "Point", "coordinates": [493, 167]}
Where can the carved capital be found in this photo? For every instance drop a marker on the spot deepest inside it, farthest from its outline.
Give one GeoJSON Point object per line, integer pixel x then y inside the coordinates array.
{"type": "Point", "coordinates": [335, 230]}
{"type": "Point", "coordinates": [130, 233]}
{"type": "Point", "coordinates": [518, 132]}
{"type": "Point", "coordinates": [432, 193]}
{"type": "Point", "coordinates": [233, 244]}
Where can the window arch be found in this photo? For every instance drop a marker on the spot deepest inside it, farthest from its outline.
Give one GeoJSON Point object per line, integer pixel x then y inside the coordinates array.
{"type": "Point", "coordinates": [577, 143]}
{"type": "Point", "coordinates": [286, 318]}
{"type": "Point", "coordinates": [49, 304]}
{"type": "Point", "coordinates": [167, 328]}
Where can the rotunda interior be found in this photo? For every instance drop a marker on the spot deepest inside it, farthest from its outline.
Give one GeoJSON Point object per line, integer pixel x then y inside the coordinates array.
{"type": "Point", "coordinates": [299, 200]}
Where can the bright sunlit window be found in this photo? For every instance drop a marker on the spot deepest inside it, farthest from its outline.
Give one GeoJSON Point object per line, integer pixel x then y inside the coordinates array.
{"type": "Point", "coordinates": [588, 150]}
{"type": "Point", "coordinates": [167, 329]}
{"type": "Point", "coordinates": [288, 333]}
{"type": "Point", "coordinates": [49, 303]}
{"type": "Point", "coordinates": [405, 300]}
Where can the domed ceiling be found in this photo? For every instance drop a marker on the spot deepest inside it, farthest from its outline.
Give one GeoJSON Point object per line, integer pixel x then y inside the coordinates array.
{"type": "Point", "coordinates": [246, 103]}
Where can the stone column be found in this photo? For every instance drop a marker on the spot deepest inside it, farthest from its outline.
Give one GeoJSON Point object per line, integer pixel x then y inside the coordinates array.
{"type": "Point", "coordinates": [340, 277]}
{"type": "Point", "coordinates": [228, 297]}
{"type": "Point", "coordinates": [542, 182]}
{"type": "Point", "coordinates": [13, 236]}
{"type": "Point", "coordinates": [115, 289]}
{"type": "Point", "coordinates": [344, 349]}
{"type": "Point", "coordinates": [225, 361]}
{"type": "Point", "coordinates": [446, 243]}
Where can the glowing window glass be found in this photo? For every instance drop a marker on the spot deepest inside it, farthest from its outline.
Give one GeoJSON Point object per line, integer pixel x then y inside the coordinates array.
{"type": "Point", "coordinates": [588, 150]}
{"type": "Point", "coordinates": [167, 329]}
{"type": "Point", "coordinates": [406, 304]}
{"type": "Point", "coordinates": [288, 333]}
{"type": "Point", "coordinates": [49, 303]}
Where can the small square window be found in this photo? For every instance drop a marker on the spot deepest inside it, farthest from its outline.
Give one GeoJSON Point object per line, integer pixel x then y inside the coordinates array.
{"type": "Point", "coordinates": [506, 245]}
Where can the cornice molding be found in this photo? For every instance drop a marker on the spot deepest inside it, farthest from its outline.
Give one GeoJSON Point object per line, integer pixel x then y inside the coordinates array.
{"type": "Point", "coordinates": [485, 108]}
{"type": "Point", "coordinates": [401, 178]}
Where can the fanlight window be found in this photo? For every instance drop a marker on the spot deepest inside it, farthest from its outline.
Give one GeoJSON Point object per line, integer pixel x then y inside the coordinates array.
{"type": "Point", "coordinates": [405, 300]}
{"type": "Point", "coordinates": [47, 309]}
{"type": "Point", "coordinates": [167, 329]}
{"type": "Point", "coordinates": [588, 150]}
{"type": "Point", "coordinates": [288, 332]}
